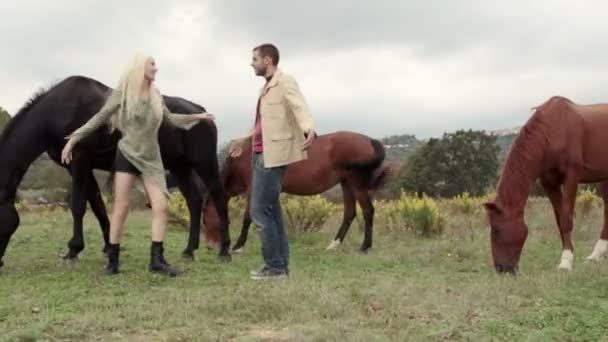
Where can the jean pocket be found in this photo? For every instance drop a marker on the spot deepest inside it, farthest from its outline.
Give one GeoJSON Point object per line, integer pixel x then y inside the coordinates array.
{"type": "Point", "coordinates": [259, 164]}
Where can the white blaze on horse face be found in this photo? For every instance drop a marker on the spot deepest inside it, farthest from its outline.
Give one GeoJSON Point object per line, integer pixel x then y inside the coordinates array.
{"type": "Point", "coordinates": [333, 245]}
{"type": "Point", "coordinates": [601, 246]}
{"type": "Point", "coordinates": [566, 261]}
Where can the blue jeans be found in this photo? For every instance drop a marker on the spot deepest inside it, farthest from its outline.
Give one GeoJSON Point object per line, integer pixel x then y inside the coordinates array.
{"type": "Point", "coordinates": [267, 215]}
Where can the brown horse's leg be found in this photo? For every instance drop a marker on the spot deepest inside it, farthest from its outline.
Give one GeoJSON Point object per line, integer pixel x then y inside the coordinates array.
{"type": "Point", "coordinates": [566, 217]}
{"type": "Point", "coordinates": [554, 192]}
{"type": "Point", "coordinates": [601, 246]}
{"type": "Point", "coordinates": [350, 211]}
{"type": "Point", "coordinates": [367, 207]}
{"type": "Point", "coordinates": [240, 243]}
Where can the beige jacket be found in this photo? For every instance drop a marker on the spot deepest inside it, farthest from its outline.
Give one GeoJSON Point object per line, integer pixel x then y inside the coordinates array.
{"type": "Point", "coordinates": [285, 118]}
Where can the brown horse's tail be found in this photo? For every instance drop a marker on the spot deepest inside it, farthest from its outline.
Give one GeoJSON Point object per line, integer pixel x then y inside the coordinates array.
{"type": "Point", "coordinates": [381, 175]}
{"type": "Point", "coordinates": [372, 171]}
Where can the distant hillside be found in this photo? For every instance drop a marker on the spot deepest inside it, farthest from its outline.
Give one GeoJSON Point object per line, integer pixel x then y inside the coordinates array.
{"type": "Point", "coordinates": [504, 131]}
{"type": "Point", "coordinates": [400, 147]}
{"type": "Point", "coordinates": [504, 139]}
{"type": "Point", "coordinates": [504, 142]}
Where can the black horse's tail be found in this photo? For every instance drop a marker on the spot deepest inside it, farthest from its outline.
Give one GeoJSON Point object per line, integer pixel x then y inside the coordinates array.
{"type": "Point", "coordinates": [370, 169]}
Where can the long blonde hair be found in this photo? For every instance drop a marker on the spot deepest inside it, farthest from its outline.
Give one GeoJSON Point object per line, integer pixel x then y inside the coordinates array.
{"type": "Point", "coordinates": [132, 88]}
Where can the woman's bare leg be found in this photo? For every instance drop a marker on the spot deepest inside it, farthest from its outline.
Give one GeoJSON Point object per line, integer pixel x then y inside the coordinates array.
{"type": "Point", "coordinates": [159, 203]}
{"type": "Point", "coordinates": [123, 183]}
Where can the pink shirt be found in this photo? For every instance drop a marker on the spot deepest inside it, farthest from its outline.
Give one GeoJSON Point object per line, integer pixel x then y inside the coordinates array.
{"type": "Point", "coordinates": [258, 146]}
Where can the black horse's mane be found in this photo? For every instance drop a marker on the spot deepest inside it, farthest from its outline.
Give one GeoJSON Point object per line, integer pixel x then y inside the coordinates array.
{"type": "Point", "coordinates": [38, 95]}
{"type": "Point", "coordinates": [42, 92]}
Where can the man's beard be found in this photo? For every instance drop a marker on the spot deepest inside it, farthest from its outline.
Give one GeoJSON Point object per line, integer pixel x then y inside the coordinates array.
{"type": "Point", "coordinates": [261, 71]}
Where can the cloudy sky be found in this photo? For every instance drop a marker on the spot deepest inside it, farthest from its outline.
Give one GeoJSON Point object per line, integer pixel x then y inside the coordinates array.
{"type": "Point", "coordinates": [380, 68]}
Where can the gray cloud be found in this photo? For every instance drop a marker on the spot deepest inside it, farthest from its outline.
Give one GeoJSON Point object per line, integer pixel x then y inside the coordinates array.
{"type": "Point", "coordinates": [435, 29]}
{"type": "Point", "coordinates": [379, 68]}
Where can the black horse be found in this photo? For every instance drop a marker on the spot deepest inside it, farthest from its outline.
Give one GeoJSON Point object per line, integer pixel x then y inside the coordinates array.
{"type": "Point", "coordinates": [50, 115]}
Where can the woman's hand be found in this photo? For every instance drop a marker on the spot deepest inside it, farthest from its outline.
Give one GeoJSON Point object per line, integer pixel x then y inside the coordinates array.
{"type": "Point", "coordinates": [66, 153]}
{"type": "Point", "coordinates": [205, 116]}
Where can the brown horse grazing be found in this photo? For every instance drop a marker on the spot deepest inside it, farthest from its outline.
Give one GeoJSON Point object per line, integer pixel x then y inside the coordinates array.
{"type": "Point", "coordinates": [353, 160]}
{"type": "Point", "coordinates": [563, 144]}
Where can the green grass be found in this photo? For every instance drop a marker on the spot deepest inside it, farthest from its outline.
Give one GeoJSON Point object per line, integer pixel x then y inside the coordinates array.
{"type": "Point", "coordinates": [405, 288]}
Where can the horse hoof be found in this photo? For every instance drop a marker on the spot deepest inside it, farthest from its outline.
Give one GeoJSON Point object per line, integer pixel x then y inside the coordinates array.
{"type": "Point", "coordinates": [70, 255]}
{"type": "Point", "coordinates": [333, 245]}
{"type": "Point", "coordinates": [240, 244]}
{"type": "Point", "coordinates": [225, 258]}
{"type": "Point", "coordinates": [189, 255]}
{"type": "Point", "coordinates": [566, 261]}
{"type": "Point", "coordinates": [599, 250]}
{"type": "Point", "coordinates": [71, 262]}
{"type": "Point", "coordinates": [565, 266]}
{"type": "Point", "coordinates": [238, 250]}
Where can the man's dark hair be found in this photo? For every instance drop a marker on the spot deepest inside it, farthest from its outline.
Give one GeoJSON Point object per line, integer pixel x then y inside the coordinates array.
{"type": "Point", "coordinates": [269, 50]}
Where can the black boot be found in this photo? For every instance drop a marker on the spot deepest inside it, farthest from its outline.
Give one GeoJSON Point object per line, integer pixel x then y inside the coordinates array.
{"type": "Point", "coordinates": [158, 263]}
{"type": "Point", "coordinates": [113, 254]}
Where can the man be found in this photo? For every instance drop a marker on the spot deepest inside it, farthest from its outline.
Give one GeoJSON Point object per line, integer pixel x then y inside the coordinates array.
{"type": "Point", "coordinates": [283, 131]}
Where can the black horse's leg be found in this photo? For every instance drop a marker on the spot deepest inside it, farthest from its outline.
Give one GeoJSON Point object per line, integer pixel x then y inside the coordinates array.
{"type": "Point", "coordinates": [211, 178]}
{"type": "Point", "coordinates": [9, 221]}
{"type": "Point", "coordinates": [350, 211]}
{"type": "Point", "coordinates": [194, 198]}
{"type": "Point", "coordinates": [240, 243]}
{"type": "Point", "coordinates": [79, 171]}
{"type": "Point", "coordinates": [98, 208]}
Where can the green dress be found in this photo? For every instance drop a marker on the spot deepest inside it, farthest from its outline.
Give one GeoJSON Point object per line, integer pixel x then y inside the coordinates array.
{"type": "Point", "coordinates": [139, 141]}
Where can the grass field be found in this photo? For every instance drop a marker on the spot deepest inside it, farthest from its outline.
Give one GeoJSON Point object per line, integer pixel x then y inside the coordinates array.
{"type": "Point", "coordinates": [405, 289]}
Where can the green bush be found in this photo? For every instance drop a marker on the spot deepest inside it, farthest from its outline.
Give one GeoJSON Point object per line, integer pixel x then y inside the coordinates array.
{"type": "Point", "coordinates": [586, 200]}
{"type": "Point", "coordinates": [306, 213]}
{"type": "Point", "coordinates": [410, 213]}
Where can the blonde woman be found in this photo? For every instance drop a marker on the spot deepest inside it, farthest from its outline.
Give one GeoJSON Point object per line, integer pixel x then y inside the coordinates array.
{"type": "Point", "coordinates": [137, 109]}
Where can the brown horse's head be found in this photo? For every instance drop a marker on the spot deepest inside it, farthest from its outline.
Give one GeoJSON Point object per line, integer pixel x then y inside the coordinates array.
{"type": "Point", "coordinates": [508, 234]}
{"type": "Point", "coordinates": [211, 220]}
{"type": "Point", "coordinates": [235, 175]}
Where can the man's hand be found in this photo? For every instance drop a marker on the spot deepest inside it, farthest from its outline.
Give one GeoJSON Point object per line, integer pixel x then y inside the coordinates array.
{"type": "Point", "coordinates": [310, 136]}
{"type": "Point", "coordinates": [235, 150]}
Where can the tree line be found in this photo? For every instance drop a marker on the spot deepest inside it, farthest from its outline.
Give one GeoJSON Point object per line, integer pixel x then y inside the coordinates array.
{"type": "Point", "coordinates": [457, 162]}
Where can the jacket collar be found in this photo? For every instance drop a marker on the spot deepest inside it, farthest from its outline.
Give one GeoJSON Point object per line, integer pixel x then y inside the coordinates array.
{"type": "Point", "coordinates": [272, 83]}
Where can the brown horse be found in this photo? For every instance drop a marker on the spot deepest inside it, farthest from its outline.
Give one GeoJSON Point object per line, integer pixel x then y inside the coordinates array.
{"type": "Point", "coordinates": [353, 160]}
{"type": "Point", "coordinates": [562, 144]}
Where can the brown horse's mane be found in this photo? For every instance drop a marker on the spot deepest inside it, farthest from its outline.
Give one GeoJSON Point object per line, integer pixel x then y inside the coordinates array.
{"type": "Point", "coordinates": [525, 157]}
